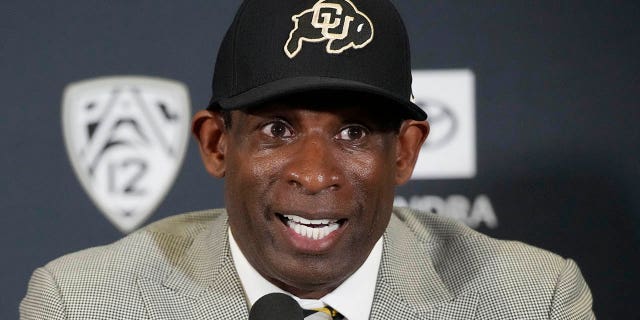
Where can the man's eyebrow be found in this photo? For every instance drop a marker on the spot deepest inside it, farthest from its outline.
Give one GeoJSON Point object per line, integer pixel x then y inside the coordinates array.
{"type": "Point", "coordinates": [380, 124]}
{"type": "Point", "coordinates": [273, 113]}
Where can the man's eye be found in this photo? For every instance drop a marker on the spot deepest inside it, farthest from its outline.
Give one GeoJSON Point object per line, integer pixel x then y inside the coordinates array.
{"type": "Point", "coordinates": [277, 129]}
{"type": "Point", "coordinates": [352, 133]}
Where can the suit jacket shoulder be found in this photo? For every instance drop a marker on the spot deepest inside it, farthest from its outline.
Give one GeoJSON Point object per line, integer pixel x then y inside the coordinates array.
{"type": "Point", "coordinates": [114, 279]}
{"type": "Point", "coordinates": [435, 264]}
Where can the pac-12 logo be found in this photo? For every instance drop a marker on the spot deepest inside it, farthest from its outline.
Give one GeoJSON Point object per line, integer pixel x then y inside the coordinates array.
{"type": "Point", "coordinates": [338, 22]}
{"type": "Point", "coordinates": [126, 138]}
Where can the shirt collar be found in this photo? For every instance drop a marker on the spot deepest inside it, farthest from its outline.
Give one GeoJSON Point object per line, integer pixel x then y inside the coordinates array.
{"type": "Point", "coordinates": [353, 298]}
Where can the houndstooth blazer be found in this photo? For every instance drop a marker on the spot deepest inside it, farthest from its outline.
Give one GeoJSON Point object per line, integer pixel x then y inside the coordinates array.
{"type": "Point", "coordinates": [431, 268]}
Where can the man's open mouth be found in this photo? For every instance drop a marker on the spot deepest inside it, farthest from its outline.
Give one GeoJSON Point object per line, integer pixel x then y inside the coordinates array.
{"type": "Point", "coordinates": [312, 229]}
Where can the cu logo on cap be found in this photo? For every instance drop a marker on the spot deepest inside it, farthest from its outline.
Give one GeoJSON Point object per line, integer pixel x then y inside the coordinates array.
{"type": "Point", "coordinates": [330, 20]}
{"type": "Point", "coordinates": [338, 22]}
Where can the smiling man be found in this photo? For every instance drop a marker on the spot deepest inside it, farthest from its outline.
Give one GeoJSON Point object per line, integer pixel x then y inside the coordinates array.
{"type": "Point", "coordinates": [312, 127]}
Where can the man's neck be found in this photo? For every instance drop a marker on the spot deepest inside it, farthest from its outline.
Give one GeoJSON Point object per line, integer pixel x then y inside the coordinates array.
{"type": "Point", "coordinates": [353, 298]}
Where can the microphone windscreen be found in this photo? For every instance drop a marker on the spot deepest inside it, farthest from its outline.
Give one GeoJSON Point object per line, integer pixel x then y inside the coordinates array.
{"type": "Point", "coordinates": [276, 306]}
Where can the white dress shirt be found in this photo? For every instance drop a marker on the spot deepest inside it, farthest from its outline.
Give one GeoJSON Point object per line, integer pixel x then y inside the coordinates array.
{"type": "Point", "coordinates": [353, 298]}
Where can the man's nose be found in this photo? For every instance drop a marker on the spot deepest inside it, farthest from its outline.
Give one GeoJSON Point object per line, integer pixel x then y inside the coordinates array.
{"type": "Point", "coordinates": [313, 167]}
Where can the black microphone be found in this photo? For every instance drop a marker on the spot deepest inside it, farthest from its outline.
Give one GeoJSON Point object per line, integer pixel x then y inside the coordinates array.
{"type": "Point", "coordinates": [276, 306]}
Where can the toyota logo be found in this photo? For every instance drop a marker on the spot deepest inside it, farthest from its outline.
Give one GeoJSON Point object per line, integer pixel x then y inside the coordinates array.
{"type": "Point", "coordinates": [443, 121]}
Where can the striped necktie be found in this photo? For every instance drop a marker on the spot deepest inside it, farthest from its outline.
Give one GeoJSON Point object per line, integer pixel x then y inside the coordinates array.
{"type": "Point", "coordinates": [326, 313]}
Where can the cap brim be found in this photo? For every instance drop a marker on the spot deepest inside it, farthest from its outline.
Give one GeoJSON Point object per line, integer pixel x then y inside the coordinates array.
{"type": "Point", "coordinates": [288, 86]}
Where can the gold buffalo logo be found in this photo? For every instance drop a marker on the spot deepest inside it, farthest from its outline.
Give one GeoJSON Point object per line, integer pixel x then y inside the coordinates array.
{"type": "Point", "coordinates": [337, 21]}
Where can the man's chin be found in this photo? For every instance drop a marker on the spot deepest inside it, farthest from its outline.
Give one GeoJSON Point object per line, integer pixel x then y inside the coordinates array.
{"type": "Point", "coordinates": [309, 285]}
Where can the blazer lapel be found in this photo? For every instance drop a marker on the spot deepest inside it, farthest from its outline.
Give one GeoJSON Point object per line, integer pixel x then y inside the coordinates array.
{"type": "Point", "coordinates": [203, 283]}
{"type": "Point", "coordinates": [409, 286]}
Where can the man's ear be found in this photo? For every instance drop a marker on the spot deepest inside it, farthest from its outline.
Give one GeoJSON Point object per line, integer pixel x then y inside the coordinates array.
{"type": "Point", "coordinates": [410, 139]}
{"type": "Point", "coordinates": [208, 128]}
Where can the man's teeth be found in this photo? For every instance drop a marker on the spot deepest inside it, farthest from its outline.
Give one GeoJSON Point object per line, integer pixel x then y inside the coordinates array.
{"type": "Point", "coordinates": [319, 228]}
{"type": "Point", "coordinates": [305, 221]}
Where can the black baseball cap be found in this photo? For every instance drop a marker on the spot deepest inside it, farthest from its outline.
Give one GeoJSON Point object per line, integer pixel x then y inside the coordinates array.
{"type": "Point", "coordinates": [276, 48]}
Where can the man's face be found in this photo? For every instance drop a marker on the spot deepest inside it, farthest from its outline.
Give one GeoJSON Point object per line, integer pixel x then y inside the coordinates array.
{"type": "Point", "coordinates": [308, 190]}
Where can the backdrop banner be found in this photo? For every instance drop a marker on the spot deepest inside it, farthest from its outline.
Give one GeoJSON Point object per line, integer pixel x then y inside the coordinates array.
{"type": "Point", "coordinates": [533, 108]}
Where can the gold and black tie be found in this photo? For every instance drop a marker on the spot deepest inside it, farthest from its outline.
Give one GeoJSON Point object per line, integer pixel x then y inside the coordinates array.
{"type": "Point", "coordinates": [326, 313]}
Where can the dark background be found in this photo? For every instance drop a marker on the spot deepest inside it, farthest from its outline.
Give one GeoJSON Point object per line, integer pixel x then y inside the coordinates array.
{"type": "Point", "coordinates": [557, 111]}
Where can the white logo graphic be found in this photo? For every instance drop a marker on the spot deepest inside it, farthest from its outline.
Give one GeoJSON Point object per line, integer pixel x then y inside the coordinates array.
{"type": "Point", "coordinates": [337, 21]}
{"type": "Point", "coordinates": [448, 97]}
{"type": "Point", "coordinates": [126, 138]}
{"type": "Point", "coordinates": [473, 213]}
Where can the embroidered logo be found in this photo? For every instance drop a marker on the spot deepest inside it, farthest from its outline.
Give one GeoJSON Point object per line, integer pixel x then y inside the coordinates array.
{"type": "Point", "coordinates": [126, 138]}
{"type": "Point", "coordinates": [338, 22]}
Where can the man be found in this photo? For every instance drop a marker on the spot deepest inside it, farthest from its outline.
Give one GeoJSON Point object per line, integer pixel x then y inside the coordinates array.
{"type": "Point", "coordinates": [312, 127]}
